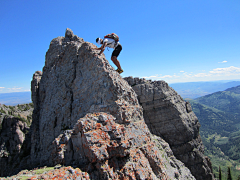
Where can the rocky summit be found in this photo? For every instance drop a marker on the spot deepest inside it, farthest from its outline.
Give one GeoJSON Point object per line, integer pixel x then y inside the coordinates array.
{"type": "Point", "coordinates": [86, 116]}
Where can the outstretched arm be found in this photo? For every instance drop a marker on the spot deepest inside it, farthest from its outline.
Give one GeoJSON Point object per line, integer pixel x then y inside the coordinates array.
{"type": "Point", "coordinates": [102, 48]}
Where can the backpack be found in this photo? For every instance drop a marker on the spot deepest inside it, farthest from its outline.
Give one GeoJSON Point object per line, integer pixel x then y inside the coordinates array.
{"type": "Point", "coordinates": [112, 36]}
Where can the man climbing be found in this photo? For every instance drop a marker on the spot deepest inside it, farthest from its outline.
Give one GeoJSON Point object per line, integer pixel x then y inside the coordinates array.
{"type": "Point", "coordinates": [111, 42]}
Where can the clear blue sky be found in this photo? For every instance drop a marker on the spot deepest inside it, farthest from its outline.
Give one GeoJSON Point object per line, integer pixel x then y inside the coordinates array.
{"type": "Point", "coordinates": [175, 41]}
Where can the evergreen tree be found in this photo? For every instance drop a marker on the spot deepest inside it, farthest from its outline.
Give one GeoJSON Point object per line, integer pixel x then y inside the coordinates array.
{"type": "Point", "coordinates": [229, 174]}
{"type": "Point", "coordinates": [220, 173]}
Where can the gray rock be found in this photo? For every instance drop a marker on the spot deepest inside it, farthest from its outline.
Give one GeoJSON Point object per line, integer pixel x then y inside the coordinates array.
{"type": "Point", "coordinates": [12, 136]}
{"type": "Point", "coordinates": [170, 117]}
{"type": "Point", "coordinates": [69, 33]}
{"type": "Point", "coordinates": [137, 154]}
{"type": "Point", "coordinates": [75, 82]}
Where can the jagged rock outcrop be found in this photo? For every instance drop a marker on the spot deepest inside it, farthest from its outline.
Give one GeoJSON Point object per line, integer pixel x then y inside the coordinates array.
{"type": "Point", "coordinates": [13, 133]}
{"type": "Point", "coordinates": [87, 116]}
{"type": "Point", "coordinates": [12, 136]}
{"type": "Point", "coordinates": [170, 117]}
{"type": "Point", "coordinates": [109, 150]}
{"type": "Point", "coordinates": [14, 125]}
{"type": "Point", "coordinates": [75, 82]}
{"type": "Point", "coordinates": [75, 86]}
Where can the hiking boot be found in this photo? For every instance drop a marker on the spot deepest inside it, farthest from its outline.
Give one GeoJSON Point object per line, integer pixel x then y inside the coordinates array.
{"type": "Point", "coordinates": [119, 71]}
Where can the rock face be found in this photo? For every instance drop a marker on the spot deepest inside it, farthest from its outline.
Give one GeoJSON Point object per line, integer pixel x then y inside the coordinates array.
{"type": "Point", "coordinates": [170, 117]}
{"type": "Point", "coordinates": [75, 82]}
{"type": "Point", "coordinates": [14, 125]}
{"type": "Point", "coordinates": [87, 116]}
{"type": "Point", "coordinates": [12, 136]}
{"type": "Point", "coordinates": [109, 150]}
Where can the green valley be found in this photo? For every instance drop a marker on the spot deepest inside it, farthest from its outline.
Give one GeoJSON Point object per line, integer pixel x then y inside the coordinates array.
{"type": "Point", "coordinates": [218, 114]}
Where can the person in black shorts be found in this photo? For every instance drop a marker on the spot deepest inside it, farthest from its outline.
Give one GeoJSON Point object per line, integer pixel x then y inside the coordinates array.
{"type": "Point", "coordinates": [108, 42]}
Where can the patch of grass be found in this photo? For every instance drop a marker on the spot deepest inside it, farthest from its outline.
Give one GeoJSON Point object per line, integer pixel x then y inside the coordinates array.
{"type": "Point", "coordinates": [30, 174]}
{"type": "Point", "coordinates": [25, 177]}
{"type": "Point", "coordinates": [40, 171]}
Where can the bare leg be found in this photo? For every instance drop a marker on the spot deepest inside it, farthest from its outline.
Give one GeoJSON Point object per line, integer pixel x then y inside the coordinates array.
{"type": "Point", "coordinates": [116, 62]}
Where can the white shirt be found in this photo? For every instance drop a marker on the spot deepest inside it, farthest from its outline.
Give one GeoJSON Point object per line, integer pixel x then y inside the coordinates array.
{"type": "Point", "coordinates": [110, 42]}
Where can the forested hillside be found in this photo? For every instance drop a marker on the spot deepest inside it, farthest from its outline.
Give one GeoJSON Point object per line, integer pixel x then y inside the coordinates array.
{"type": "Point", "coordinates": [218, 114]}
{"type": "Point", "coordinates": [227, 101]}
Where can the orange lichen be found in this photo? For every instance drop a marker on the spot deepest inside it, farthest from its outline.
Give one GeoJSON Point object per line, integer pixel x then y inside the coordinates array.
{"type": "Point", "coordinates": [98, 126]}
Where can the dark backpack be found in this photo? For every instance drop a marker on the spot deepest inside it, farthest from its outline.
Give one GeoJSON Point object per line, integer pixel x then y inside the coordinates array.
{"type": "Point", "coordinates": [112, 36]}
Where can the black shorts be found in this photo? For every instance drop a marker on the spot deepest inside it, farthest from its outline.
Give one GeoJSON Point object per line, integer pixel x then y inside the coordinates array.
{"type": "Point", "coordinates": [117, 50]}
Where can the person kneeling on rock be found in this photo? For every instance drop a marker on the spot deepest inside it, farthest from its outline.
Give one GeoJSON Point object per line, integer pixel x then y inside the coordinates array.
{"type": "Point", "coordinates": [111, 43]}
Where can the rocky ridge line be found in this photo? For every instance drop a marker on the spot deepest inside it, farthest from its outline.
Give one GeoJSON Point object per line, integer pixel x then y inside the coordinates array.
{"type": "Point", "coordinates": [86, 115]}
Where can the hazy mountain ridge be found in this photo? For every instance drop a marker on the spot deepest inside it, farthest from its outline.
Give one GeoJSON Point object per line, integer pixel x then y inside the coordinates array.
{"type": "Point", "coordinates": [15, 98]}
{"type": "Point", "coordinates": [235, 90]}
{"type": "Point", "coordinates": [186, 90]}
{"type": "Point", "coordinates": [197, 89]}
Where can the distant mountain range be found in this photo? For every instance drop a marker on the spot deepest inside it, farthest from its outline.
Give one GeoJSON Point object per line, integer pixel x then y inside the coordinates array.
{"type": "Point", "coordinates": [197, 89]}
{"type": "Point", "coordinates": [186, 90]}
{"type": "Point", "coordinates": [15, 98]}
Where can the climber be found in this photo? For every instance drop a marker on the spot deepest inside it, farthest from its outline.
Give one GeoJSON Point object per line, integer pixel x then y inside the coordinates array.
{"type": "Point", "coordinates": [111, 43]}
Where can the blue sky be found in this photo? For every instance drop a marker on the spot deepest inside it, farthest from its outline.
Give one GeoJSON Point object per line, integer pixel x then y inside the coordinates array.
{"type": "Point", "coordinates": [175, 41]}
